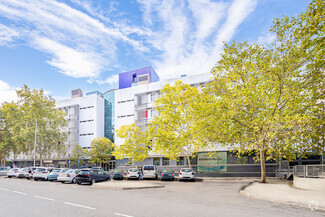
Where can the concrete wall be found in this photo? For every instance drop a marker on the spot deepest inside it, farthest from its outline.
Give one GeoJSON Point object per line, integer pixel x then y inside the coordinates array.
{"type": "Point", "coordinates": [309, 183]}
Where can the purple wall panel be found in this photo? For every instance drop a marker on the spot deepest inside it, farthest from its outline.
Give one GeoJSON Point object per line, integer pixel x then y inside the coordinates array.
{"type": "Point", "coordinates": [125, 78]}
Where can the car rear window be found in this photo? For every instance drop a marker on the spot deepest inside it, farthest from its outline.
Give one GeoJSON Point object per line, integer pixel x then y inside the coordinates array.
{"type": "Point", "coordinates": [186, 170]}
{"type": "Point", "coordinates": [133, 170]}
{"type": "Point", "coordinates": [82, 172]}
{"type": "Point", "coordinates": [69, 171]}
{"type": "Point", "coordinates": [56, 170]}
{"type": "Point", "coordinates": [148, 168]}
{"type": "Point", "coordinates": [167, 171]}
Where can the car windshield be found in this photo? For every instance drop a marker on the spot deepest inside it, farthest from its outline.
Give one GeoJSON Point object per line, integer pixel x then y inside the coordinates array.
{"type": "Point", "coordinates": [186, 170]}
{"type": "Point", "coordinates": [133, 170]}
{"type": "Point", "coordinates": [40, 170]}
{"type": "Point", "coordinates": [148, 168]}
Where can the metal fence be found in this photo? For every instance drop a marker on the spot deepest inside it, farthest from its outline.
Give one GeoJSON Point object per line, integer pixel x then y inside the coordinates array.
{"type": "Point", "coordinates": [310, 171]}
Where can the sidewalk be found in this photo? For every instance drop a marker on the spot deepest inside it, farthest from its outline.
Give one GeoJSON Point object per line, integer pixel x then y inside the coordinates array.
{"type": "Point", "coordinates": [285, 194]}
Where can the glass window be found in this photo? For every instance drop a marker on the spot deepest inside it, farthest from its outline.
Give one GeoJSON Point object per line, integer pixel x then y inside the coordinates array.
{"type": "Point", "coordinates": [165, 161]}
{"type": "Point", "coordinates": [156, 161]}
{"type": "Point", "coordinates": [180, 161]}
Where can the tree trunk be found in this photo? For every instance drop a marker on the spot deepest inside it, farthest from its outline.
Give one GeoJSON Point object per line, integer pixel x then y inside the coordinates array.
{"type": "Point", "coordinates": [40, 160]}
{"type": "Point", "coordinates": [263, 171]}
{"type": "Point", "coordinates": [188, 161]}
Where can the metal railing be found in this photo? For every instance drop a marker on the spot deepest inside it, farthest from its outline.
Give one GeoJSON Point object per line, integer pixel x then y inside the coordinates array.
{"type": "Point", "coordinates": [310, 171]}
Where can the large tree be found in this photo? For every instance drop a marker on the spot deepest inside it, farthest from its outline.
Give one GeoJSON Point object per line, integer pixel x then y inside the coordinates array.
{"type": "Point", "coordinates": [134, 147]}
{"type": "Point", "coordinates": [39, 113]}
{"type": "Point", "coordinates": [174, 131]}
{"type": "Point", "coordinates": [271, 99]}
{"type": "Point", "coordinates": [9, 117]}
{"type": "Point", "coordinates": [101, 150]}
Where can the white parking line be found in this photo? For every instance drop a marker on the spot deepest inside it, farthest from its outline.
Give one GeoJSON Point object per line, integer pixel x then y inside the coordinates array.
{"type": "Point", "coordinates": [18, 192]}
{"type": "Point", "coordinates": [45, 198]}
{"type": "Point", "coordinates": [123, 215]}
{"type": "Point", "coordinates": [78, 205]}
{"type": "Point", "coordinates": [4, 189]}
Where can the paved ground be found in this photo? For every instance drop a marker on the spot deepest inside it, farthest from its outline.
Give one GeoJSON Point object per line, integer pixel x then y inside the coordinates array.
{"type": "Point", "coordinates": [285, 193]}
{"type": "Point", "coordinates": [199, 199]}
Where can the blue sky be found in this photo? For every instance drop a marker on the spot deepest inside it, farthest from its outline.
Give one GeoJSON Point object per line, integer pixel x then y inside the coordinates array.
{"type": "Point", "coordinates": [68, 44]}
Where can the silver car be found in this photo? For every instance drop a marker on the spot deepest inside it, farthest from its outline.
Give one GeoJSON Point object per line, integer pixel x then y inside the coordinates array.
{"type": "Point", "coordinates": [3, 171]}
{"type": "Point", "coordinates": [68, 176]}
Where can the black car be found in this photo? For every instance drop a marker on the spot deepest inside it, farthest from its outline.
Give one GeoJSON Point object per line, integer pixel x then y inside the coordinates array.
{"type": "Point", "coordinates": [91, 176]}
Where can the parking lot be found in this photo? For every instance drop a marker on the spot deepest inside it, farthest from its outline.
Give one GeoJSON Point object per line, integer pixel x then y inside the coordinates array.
{"type": "Point", "coordinates": [22, 197]}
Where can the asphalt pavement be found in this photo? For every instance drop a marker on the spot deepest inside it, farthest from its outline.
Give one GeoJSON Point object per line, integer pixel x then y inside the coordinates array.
{"type": "Point", "coordinates": [20, 197]}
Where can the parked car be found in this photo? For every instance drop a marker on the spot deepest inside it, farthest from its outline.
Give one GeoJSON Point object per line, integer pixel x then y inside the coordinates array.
{"type": "Point", "coordinates": [91, 176]}
{"type": "Point", "coordinates": [133, 173]}
{"type": "Point", "coordinates": [12, 172]}
{"type": "Point", "coordinates": [117, 174]}
{"type": "Point", "coordinates": [68, 176]}
{"type": "Point", "coordinates": [54, 173]}
{"type": "Point", "coordinates": [149, 171]}
{"type": "Point", "coordinates": [167, 175]}
{"type": "Point", "coordinates": [21, 173]}
{"type": "Point", "coordinates": [186, 174]}
{"type": "Point", "coordinates": [42, 173]}
{"type": "Point", "coordinates": [3, 171]}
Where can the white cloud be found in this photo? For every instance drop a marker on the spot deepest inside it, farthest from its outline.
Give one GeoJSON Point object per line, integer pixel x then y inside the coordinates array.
{"type": "Point", "coordinates": [77, 44]}
{"type": "Point", "coordinates": [190, 34]}
{"type": "Point", "coordinates": [7, 93]}
{"type": "Point", "coordinates": [176, 37]}
{"type": "Point", "coordinates": [266, 38]}
{"type": "Point", "coordinates": [112, 80]}
{"type": "Point", "coordinates": [7, 35]}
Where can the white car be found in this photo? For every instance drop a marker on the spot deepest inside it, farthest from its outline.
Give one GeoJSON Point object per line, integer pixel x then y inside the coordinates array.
{"type": "Point", "coordinates": [149, 171]}
{"type": "Point", "coordinates": [12, 172]}
{"type": "Point", "coordinates": [42, 173]}
{"type": "Point", "coordinates": [186, 174]}
{"type": "Point", "coordinates": [21, 173]}
{"type": "Point", "coordinates": [68, 176]}
{"type": "Point", "coordinates": [133, 173]}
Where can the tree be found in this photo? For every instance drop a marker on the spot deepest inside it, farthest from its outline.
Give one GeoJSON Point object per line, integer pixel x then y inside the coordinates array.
{"type": "Point", "coordinates": [174, 131]}
{"type": "Point", "coordinates": [49, 120]}
{"type": "Point", "coordinates": [101, 150]}
{"type": "Point", "coordinates": [77, 155]}
{"type": "Point", "coordinates": [9, 116]}
{"type": "Point", "coordinates": [134, 146]}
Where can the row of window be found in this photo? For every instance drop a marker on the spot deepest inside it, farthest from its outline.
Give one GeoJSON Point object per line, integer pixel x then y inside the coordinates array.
{"type": "Point", "coordinates": [123, 116]}
{"type": "Point", "coordinates": [86, 134]}
{"type": "Point", "coordinates": [124, 101]}
{"type": "Point", "coordinates": [87, 107]}
{"type": "Point", "coordinates": [165, 161]}
{"type": "Point", "coordinates": [87, 121]}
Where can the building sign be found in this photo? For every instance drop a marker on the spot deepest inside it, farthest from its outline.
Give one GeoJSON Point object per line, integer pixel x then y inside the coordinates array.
{"type": "Point", "coordinates": [208, 162]}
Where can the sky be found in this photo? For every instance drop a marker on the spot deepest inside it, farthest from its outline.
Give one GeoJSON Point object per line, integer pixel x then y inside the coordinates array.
{"type": "Point", "coordinates": [61, 45]}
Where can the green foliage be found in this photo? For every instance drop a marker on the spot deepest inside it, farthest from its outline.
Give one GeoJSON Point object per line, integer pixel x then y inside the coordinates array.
{"type": "Point", "coordinates": [101, 150]}
{"type": "Point", "coordinates": [174, 131]}
{"type": "Point", "coordinates": [78, 154]}
{"type": "Point", "coordinates": [134, 146]}
{"type": "Point", "coordinates": [271, 99]}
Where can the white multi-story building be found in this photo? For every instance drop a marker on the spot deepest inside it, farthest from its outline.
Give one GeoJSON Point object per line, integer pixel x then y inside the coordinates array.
{"type": "Point", "coordinates": [85, 117]}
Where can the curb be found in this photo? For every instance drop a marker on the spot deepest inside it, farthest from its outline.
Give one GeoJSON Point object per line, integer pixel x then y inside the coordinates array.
{"type": "Point", "coordinates": [313, 205]}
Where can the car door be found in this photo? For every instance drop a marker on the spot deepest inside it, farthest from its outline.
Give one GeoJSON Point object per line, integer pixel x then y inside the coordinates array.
{"type": "Point", "coordinates": [94, 175]}
{"type": "Point", "coordinates": [101, 175]}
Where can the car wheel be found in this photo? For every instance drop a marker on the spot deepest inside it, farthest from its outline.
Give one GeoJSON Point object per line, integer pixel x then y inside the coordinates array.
{"type": "Point", "coordinates": [73, 181]}
{"type": "Point", "coordinates": [79, 183]}
{"type": "Point", "coordinates": [93, 181]}
{"type": "Point", "coordinates": [62, 182]}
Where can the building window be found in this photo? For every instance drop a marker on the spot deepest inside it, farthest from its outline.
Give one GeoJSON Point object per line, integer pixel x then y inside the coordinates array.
{"type": "Point", "coordinates": [180, 161]}
{"type": "Point", "coordinates": [165, 161]}
{"type": "Point", "coordinates": [156, 161]}
{"type": "Point", "coordinates": [134, 78]}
